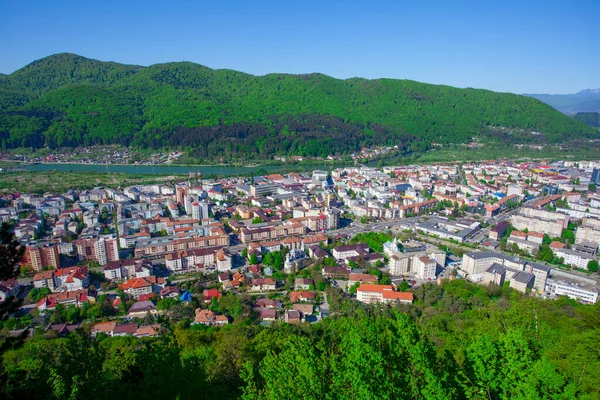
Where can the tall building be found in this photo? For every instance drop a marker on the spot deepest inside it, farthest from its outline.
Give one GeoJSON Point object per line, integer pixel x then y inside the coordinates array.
{"type": "Point", "coordinates": [42, 256]}
{"type": "Point", "coordinates": [188, 200]}
{"type": "Point", "coordinates": [196, 211]}
{"type": "Point", "coordinates": [102, 250]}
{"type": "Point", "coordinates": [205, 208]}
{"type": "Point", "coordinates": [180, 192]}
{"type": "Point", "coordinates": [596, 176]}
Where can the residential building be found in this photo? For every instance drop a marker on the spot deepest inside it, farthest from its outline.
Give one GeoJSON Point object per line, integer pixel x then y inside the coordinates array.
{"type": "Point", "coordinates": [581, 292]}
{"type": "Point", "coordinates": [425, 267]}
{"type": "Point", "coordinates": [209, 318]}
{"type": "Point", "coordinates": [42, 256]}
{"type": "Point", "coordinates": [476, 263]}
{"type": "Point", "coordinates": [362, 278]}
{"type": "Point", "coordinates": [575, 258]}
{"type": "Point", "coordinates": [137, 287]}
{"type": "Point", "coordinates": [368, 293]}
{"type": "Point", "coordinates": [9, 288]}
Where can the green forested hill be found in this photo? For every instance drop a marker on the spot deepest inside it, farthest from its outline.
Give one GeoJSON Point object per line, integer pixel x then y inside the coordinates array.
{"type": "Point", "coordinates": [68, 100]}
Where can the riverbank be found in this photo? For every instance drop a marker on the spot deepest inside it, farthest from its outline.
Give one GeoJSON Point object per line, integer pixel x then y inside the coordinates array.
{"type": "Point", "coordinates": [205, 171]}
{"type": "Point", "coordinates": [59, 182]}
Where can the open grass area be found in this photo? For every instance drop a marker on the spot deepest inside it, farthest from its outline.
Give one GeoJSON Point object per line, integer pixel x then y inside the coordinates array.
{"type": "Point", "coordinates": [59, 182]}
{"type": "Point", "coordinates": [489, 152]}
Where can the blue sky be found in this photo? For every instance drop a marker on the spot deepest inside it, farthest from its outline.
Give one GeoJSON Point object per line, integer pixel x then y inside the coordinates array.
{"type": "Point", "coordinates": [514, 46]}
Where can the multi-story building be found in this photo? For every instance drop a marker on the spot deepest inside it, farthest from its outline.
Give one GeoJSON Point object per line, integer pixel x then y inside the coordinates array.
{"type": "Point", "coordinates": [588, 232]}
{"type": "Point", "coordinates": [369, 293]}
{"type": "Point", "coordinates": [70, 279]}
{"type": "Point", "coordinates": [129, 268]}
{"type": "Point", "coordinates": [264, 189]}
{"type": "Point", "coordinates": [476, 263]}
{"type": "Point", "coordinates": [425, 267]}
{"type": "Point", "coordinates": [584, 293]}
{"type": "Point", "coordinates": [106, 249]}
{"type": "Point", "coordinates": [180, 261]}
{"type": "Point", "coordinates": [575, 258]}
{"type": "Point", "coordinates": [352, 250]}
{"type": "Point", "coordinates": [42, 256]}
{"type": "Point", "coordinates": [137, 287]}
{"type": "Point", "coordinates": [596, 176]}
{"type": "Point", "coordinates": [277, 230]}
{"type": "Point", "coordinates": [73, 278]}
{"type": "Point", "coordinates": [102, 250]}
{"type": "Point", "coordinates": [156, 249]}
{"type": "Point", "coordinates": [408, 264]}
{"type": "Point", "coordinates": [540, 221]}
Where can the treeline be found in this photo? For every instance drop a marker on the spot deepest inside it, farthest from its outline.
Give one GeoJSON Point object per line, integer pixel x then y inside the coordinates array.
{"type": "Point", "coordinates": [457, 342]}
{"type": "Point", "coordinates": [67, 100]}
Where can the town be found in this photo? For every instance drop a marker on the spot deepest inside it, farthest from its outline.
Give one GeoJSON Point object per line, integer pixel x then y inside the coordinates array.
{"type": "Point", "coordinates": [209, 252]}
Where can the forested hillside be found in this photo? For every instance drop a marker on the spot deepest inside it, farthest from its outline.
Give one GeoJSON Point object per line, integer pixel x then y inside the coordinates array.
{"type": "Point", "coordinates": [457, 342]}
{"type": "Point", "coordinates": [589, 118]}
{"type": "Point", "coordinates": [67, 100]}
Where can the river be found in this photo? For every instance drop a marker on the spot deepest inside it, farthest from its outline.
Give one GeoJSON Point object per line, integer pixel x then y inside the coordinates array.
{"type": "Point", "coordinates": [167, 169]}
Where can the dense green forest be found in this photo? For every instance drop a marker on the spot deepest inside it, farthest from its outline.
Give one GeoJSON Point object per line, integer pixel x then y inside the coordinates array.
{"type": "Point", "coordinates": [589, 118]}
{"type": "Point", "coordinates": [459, 341]}
{"type": "Point", "coordinates": [66, 100]}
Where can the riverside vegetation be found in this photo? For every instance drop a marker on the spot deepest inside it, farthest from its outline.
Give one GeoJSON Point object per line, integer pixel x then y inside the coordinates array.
{"type": "Point", "coordinates": [223, 115]}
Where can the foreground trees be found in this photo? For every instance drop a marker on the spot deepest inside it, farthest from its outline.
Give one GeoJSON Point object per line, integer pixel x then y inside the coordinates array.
{"type": "Point", "coordinates": [457, 342]}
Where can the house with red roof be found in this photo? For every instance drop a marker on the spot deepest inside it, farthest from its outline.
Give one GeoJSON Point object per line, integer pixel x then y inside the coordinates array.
{"type": "Point", "coordinates": [137, 287]}
{"type": "Point", "coordinates": [75, 297]}
{"type": "Point", "coordinates": [368, 293]}
{"type": "Point", "coordinates": [263, 284]}
{"type": "Point", "coordinates": [209, 294]}
{"type": "Point", "coordinates": [302, 296]}
{"type": "Point", "coordinates": [73, 278]}
{"type": "Point", "coordinates": [209, 318]}
{"type": "Point", "coordinates": [70, 279]}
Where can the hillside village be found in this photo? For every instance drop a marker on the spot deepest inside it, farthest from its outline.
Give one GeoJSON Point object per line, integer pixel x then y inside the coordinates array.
{"type": "Point", "coordinates": [276, 248]}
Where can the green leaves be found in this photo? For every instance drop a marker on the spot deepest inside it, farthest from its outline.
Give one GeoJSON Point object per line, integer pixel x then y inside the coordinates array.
{"type": "Point", "coordinates": [67, 100]}
{"type": "Point", "coordinates": [459, 341]}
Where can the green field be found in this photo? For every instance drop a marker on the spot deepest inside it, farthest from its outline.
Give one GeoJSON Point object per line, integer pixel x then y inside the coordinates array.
{"type": "Point", "coordinates": [59, 182]}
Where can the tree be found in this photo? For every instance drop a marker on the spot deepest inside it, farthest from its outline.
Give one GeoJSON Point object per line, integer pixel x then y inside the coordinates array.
{"type": "Point", "coordinates": [593, 266]}
{"type": "Point", "coordinates": [352, 289]}
{"type": "Point", "coordinates": [257, 220]}
{"type": "Point", "coordinates": [73, 314]}
{"type": "Point", "coordinates": [514, 248]}
{"type": "Point", "coordinates": [253, 258]}
{"type": "Point", "coordinates": [231, 305]}
{"type": "Point", "coordinates": [403, 287]}
{"type": "Point", "coordinates": [11, 253]}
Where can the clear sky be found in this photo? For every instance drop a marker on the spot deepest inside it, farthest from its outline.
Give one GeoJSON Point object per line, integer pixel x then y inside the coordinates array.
{"type": "Point", "coordinates": [514, 46]}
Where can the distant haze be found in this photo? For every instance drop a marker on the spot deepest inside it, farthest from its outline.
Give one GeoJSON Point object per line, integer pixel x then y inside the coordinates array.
{"type": "Point", "coordinates": [587, 100]}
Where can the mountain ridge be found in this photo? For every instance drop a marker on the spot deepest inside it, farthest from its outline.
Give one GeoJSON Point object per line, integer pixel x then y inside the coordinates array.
{"type": "Point", "coordinates": [69, 100]}
{"type": "Point", "coordinates": [586, 100]}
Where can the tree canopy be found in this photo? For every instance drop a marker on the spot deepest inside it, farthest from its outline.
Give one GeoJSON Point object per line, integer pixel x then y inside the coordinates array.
{"type": "Point", "coordinates": [68, 100]}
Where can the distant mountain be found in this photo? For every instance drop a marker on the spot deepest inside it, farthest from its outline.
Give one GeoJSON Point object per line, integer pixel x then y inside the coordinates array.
{"type": "Point", "coordinates": [587, 100]}
{"type": "Point", "coordinates": [68, 100]}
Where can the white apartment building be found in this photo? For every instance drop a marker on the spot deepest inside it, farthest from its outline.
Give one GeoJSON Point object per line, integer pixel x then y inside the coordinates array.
{"type": "Point", "coordinates": [424, 267]}
{"type": "Point", "coordinates": [476, 263]}
{"type": "Point", "coordinates": [574, 258]}
{"type": "Point", "coordinates": [583, 293]}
